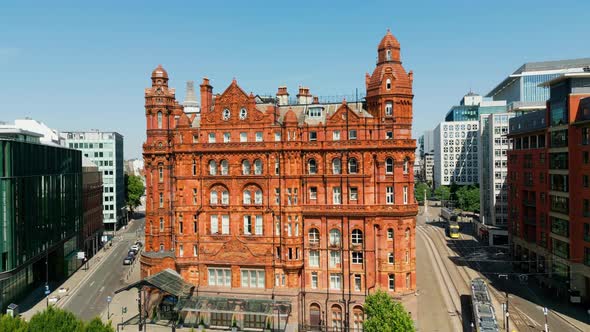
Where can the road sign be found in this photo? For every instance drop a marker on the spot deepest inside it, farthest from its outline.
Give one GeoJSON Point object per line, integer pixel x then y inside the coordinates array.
{"type": "Point", "coordinates": [545, 311]}
{"type": "Point", "coordinates": [81, 255]}
{"type": "Point", "coordinates": [109, 299]}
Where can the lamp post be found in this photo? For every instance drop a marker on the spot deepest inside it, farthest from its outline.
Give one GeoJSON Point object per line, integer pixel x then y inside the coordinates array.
{"type": "Point", "coordinates": [109, 299]}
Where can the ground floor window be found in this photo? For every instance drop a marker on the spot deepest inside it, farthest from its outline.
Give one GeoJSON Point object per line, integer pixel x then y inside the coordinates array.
{"type": "Point", "coordinates": [358, 317]}
{"type": "Point", "coordinates": [220, 319]}
{"type": "Point", "coordinates": [336, 318]}
{"type": "Point", "coordinates": [252, 278]}
{"type": "Point", "coordinates": [254, 321]}
{"type": "Point", "coordinates": [219, 277]}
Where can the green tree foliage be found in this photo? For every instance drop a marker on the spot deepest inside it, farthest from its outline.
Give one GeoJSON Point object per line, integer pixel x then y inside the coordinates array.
{"type": "Point", "coordinates": [443, 193]}
{"type": "Point", "coordinates": [134, 190]}
{"type": "Point", "coordinates": [8, 323]}
{"type": "Point", "coordinates": [54, 320]}
{"type": "Point", "coordinates": [468, 198]}
{"type": "Point", "coordinates": [385, 315]}
{"type": "Point", "coordinates": [419, 191]}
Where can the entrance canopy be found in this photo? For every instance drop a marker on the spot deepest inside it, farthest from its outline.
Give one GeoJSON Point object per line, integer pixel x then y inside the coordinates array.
{"type": "Point", "coordinates": [168, 281]}
{"type": "Point", "coordinates": [261, 307]}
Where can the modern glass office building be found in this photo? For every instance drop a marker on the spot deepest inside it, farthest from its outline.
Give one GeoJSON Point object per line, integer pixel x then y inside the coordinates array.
{"type": "Point", "coordinates": [105, 149]}
{"type": "Point", "coordinates": [40, 212]}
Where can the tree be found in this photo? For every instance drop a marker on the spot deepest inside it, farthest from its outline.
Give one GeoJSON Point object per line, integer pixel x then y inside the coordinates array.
{"type": "Point", "coordinates": [385, 315]}
{"type": "Point", "coordinates": [443, 193]}
{"type": "Point", "coordinates": [419, 190]}
{"type": "Point", "coordinates": [134, 191]}
{"type": "Point", "coordinates": [55, 320]}
{"type": "Point", "coordinates": [468, 198]}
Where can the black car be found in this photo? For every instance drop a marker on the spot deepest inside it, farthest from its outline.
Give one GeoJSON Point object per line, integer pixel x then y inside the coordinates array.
{"type": "Point", "coordinates": [128, 260]}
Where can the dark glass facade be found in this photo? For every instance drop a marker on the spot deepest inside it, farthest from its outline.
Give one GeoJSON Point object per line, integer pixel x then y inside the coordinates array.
{"type": "Point", "coordinates": [40, 211]}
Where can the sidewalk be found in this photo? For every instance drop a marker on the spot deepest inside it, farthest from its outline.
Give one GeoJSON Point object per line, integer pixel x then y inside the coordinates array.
{"type": "Point", "coordinates": [59, 297]}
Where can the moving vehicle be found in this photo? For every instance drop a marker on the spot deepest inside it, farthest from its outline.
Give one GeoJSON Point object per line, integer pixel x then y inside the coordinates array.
{"type": "Point", "coordinates": [128, 260]}
{"type": "Point", "coordinates": [484, 317]}
{"type": "Point", "coordinates": [453, 229]}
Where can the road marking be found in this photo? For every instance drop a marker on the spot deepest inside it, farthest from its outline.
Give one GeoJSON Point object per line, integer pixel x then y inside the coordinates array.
{"type": "Point", "coordinates": [101, 289]}
{"type": "Point", "coordinates": [92, 283]}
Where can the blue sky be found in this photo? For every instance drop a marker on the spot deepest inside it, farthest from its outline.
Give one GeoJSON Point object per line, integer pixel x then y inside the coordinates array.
{"type": "Point", "coordinates": [79, 65]}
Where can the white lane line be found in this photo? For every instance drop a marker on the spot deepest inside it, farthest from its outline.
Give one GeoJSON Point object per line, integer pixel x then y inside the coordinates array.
{"type": "Point", "coordinates": [92, 283]}
{"type": "Point", "coordinates": [101, 289]}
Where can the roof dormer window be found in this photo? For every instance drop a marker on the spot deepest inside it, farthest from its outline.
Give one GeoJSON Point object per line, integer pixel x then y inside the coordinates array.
{"type": "Point", "coordinates": [315, 112]}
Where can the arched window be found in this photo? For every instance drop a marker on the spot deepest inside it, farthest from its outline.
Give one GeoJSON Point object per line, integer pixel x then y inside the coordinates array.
{"type": "Point", "coordinates": [352, 166]}
{"type": "Point", "coordinates": [388, 55]}
{"type": "Point", "coordinates": [314, 236]}
{"type": "Point", "coordinates": [257, 166]}
{"type": "Point", "coordinates": [247, 197]}
{"type": "Point", "coordinates": [335, 237]}
{"type": "Point", "coordinates": [225, 197]}
{"type": "Point", "coordinates": [224, 167]}
{"type": "Point", "coordinates": [161, 246]}
{"type": "Point", "coordinates": [392, 282]}
{"type": "Point", "coordinates": [390, 258]}
{"type": "Point", "coordinates": [245, 167]}
{"type": "Point", "coordinates": [357, 236]}
{"type": "Point", "coordinates": [312, 167]}
{"type": "Point", "coordinates": [406, 165]}
{"type": "Point", "coordinates": [258, 197]}
{"type": "Point", "coordinates": [160, 172]}
{"type": "Point", "coordinates": [388, 84]}
{"type": "Point", "coordinates": [407, 234]}
{"type": "Point", "coordinates": [358, 316]}
{"type": "Point", "coordinates": [315, 316]}
{"type": "Point", "coordinates": [336, 318]}
{"type": "Point", "coordinates": [390, 233]}
{"type": "Point", "coordinates": [213, 197]}
{"type": "Point", "coordinates": [389, 166]}
{"type": "Point", "coordinates": [159, 120]}
{"type": "Point", "coordinates": [336, 166]}
{"type": "Point", "coordinates": [212, 167]}
{"type": "Point", "coordinates": [161, 224]}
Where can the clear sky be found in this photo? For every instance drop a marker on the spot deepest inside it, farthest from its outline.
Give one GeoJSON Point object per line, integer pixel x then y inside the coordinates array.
{"type": "Point", "coordinates": [84, 64]}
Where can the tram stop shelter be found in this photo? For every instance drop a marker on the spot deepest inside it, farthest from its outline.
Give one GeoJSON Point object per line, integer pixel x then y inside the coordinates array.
{"type": "Point", "coordinates": [167, 297]}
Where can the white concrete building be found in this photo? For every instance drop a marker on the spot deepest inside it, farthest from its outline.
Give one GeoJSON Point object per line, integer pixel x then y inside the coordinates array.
{"type": "Point", "coordinates": [428, 167]}
{"type": "Point", "coordinates": [493, 193]}
{"type": "Point", "coordinates": [50, 136]}
{"type": "Point", "coordinates": [455, 153]}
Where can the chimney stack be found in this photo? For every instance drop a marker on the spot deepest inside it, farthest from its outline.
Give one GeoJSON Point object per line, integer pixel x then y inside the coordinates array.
{"type": "Point", "coordinates": [282, 96]}
{"type": "Point", "coordinates": [206, 95]}
{"type": "Point", "coordinates": [316, 100]}
{"type": "Point", "coordinates": [303, 97]}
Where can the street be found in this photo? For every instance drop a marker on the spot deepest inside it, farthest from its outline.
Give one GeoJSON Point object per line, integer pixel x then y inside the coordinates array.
{"type": "Point", "coordinates": [465, 259]}
{"type": "Point", "coordinates": [91, 298]}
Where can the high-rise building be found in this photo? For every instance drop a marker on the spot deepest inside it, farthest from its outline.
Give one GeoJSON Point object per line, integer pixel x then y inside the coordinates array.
{"type": "Point", "coordinates": [472, 106]}
{"type": "Point", "coordinates": [105, 149]}
{"type": "Point", "coordinates": [493, 146]}
{"type": "Point", "coordinates": [455, 153]}
{"type": "Point", "coordinates": [549, 196]}
{"type": "Point", "coordinates": [306, 203]}
{"type": "Point", "coordinates": [40, 214]}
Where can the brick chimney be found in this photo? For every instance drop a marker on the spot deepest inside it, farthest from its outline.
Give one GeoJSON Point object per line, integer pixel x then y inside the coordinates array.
{"type": "Point", "coordinates": [304, 97]}
{"type": "Point", "coordinates": [282, 96]}
{"type": "Point", "coordinates": [206, 95]}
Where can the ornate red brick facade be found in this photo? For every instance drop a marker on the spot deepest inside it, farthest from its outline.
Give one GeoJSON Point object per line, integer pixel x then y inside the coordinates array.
{"type": "Point", "coordinates": [307, 202]}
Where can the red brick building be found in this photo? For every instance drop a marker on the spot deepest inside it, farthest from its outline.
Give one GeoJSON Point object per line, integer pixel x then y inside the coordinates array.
{"type": "Point", "coordinates": [307, 202]}
{"type": "Point", "coordinates": [549, 181]}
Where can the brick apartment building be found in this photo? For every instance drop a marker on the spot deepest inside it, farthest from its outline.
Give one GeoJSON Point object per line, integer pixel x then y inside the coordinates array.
{"type": "Point", "coordinates": [267, 199]}
{"type": "Point", "coordinates": [549, 187]}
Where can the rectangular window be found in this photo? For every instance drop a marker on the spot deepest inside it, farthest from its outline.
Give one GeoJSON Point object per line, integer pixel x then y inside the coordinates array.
{"type": "Point", "coordinates": [388, 108]}
{"type": "Point", "coordinates": [161, 200]}
{"type": "Point", "coordinates": [314, 258]}
{"type": "Point", "coordinates": [357, 257]}
{"type": "Point", "coordinates": [195, 250]}
{"type": "Point", "coordinates": [195, 139]}
{"type": "Point", "coordinates": [313, 136]}
{"type": "Point", "coordinates": [357, 282]}
{"type": "Point", "coordinates": [335, 258]}
{"type": "Point", "coordinates": [314, 280]}
{"type": "Point", "coordinates": [389, 134]}
{"type": "Point", "coordinates": [180, 225]}
{"type": "Point", "coordinates": [225, 224]}
{"type": "Point", "coordinates": [252, 278]}
{"type": "Point", "coordinates": [389, 195]}
{"type": "Point", "coordinates": [195, 223]}
{"type": "Point", "coordinates": [226, 137]}
{"type": "Point", "coordinates": [211, 137]}
{"type": "Point", "coordinates": [161, 224]}
{"type": "Point", "coordinates": [194, 196]}
{"type": "Point", "coordinates": [277, 136]}
{"type": "Point", "coordinates": [354, 193]}
{"type": "Point", "coordinates": [220, 277]}
{"type": "Point", "coordinates": [247, 225]}
{"type": "Point", "coordinates": [277, 196]}
{"type": "Point", "coordinates": [277, 167]}
{"type": "Point", "coordinates": [214, 225]}
{"type": "Point", "coordinates": [259, 136]}
{"type": "Point", "coordinates": [336, 135]}
{"type": "Point", "coordinates": [335, 281]}
{"type": "Point", "coordinates": [405, 194]}
{"type": "Point", "coordinates": [258, 228]}
{"type": "Point", "coordinates": [352, 134]}
{"type": "Point", "coordinates": [313, 193]}
{"type": "Point", "coordinates": [336, 195]}
{"type": "Point", "coordinates": [243, 137]}
{"type": "Point", "coordinates": [181, 250]}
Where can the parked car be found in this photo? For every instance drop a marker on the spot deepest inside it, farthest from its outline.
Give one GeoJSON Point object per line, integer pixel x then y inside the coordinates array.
{"type": "Point", "coordinates": [131, 254]}
{"type": "Point", "coordinates": [134, 248]}
{"type": "Point", "coordinates": [139, 244]}
{"type": "Point", "coordinates": [128, 260]}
